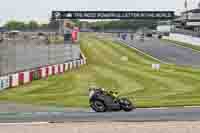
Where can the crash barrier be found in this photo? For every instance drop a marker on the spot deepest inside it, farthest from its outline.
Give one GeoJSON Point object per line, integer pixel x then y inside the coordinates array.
{"type": "Point", "coordinates": [183, 38]}
{"type": "Point", "coordinates": [4, 82]}
{"type": "Point", "coordinates": [185, 32]}
{"type": "Point", "coordinates": [21, 78]}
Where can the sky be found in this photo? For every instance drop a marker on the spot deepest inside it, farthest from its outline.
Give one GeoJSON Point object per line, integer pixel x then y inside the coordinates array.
{"type": "Point", "coordinates": [40, 10]}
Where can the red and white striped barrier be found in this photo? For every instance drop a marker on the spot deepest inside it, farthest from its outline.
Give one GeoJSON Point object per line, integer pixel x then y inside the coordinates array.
{"type": "Point", "coordinates": [43, 72]}
{"type": "Point", "coordinates": [61, 68]}
{"type": "Point", "coordinates": [55, 69]}
{"type": "Point", "coordinates": [14, 80]}
{"type": "Point", "coordinates": [26, 77]}
{"type": "Point", "coordinates": [21, 78]}
{"type": "Point", "coordinates": [50, 70]}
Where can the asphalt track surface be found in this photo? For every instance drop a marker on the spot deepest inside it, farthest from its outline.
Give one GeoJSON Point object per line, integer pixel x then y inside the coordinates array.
{"type": "Point", "coordinates": [167, 52]}
{"type": "Point", "coordinates": [138, 115]}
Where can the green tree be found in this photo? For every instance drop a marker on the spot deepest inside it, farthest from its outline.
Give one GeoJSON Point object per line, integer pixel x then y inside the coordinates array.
{"type": "Point", "coordinates": [44, 26]}
{"type": "Point", "coordinates": [123, 24]}
{"type": "Point", "coordinates": [15, 25]}
{"type": "Point", "coordinates": [32, 25]}
{"type": "Point", "coordinates": [76, 22]}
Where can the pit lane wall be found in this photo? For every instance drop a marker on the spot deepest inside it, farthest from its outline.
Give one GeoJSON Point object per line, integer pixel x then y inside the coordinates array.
{"type": "Point", "coordinates": [183, 38]}
{"type": "Point", "coordinates": [24, 77]}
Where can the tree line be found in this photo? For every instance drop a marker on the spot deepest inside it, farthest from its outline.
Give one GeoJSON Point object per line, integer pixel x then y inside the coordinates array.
{"type": "Point", "coordinates": [20, 25]}
{"type": "Point", "coordinates": [34, 25]}
{"type": "Point", "coordinates": [123, 24]}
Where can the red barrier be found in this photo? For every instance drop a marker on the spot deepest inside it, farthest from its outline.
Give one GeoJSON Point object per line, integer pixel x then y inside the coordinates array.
{"type": "Point", "coordinates": [31, 76]}
{"type": "Point", "coordinates": [47, 71]}
{"type": "Point", "coordinates": [53, 70]}
{"type": "Point", "coordinates": [59, 71]}
{"type": "Point", "coordinates": [40, 73]}
{"type": "Point", "coordinates": [21, 78]}
{"type": "Point", "coordinates": [64, 67]}
{"type": "Point", "coordinates": [11, 81]}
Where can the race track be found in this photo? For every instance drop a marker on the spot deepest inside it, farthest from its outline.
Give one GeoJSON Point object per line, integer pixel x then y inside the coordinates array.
{"type": "Point", "coordinates": [138, 115]}
{"type": "Point", "coordinates": [166, 51]}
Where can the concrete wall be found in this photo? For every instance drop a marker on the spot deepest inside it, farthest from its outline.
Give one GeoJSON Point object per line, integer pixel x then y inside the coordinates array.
{"type": "Point", "coordinates": [19, 55]}
{"type": "Point", "coordinates": [183, 38]}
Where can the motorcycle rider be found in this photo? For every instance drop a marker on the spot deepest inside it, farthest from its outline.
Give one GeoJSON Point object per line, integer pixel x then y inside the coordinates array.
{"type": "Point", "coordinates": [102, 100]}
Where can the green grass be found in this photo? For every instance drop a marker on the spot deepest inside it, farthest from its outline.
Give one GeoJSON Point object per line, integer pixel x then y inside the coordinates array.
{"type": "Point", "coordinates": [55, 40]}
{"type": "Point", "coordinates": [194, 47]}
{"type": "Point", "coordinates": [171, 86]}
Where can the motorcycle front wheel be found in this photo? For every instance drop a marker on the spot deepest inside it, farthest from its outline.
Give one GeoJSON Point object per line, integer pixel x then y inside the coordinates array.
{"type": "Point", "coordinates": [127, 105]}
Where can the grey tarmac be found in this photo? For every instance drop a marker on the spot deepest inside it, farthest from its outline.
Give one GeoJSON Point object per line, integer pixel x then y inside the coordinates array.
{"type": "Point", "coordinates": [138, 115]}
{"type": "Point", "coordinates": [167, 52]}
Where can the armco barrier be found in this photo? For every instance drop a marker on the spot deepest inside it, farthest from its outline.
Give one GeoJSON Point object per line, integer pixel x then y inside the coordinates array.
{"type": "Point", "coordinates": [70, 65]}
{"type": "Point", "coordinates": [20, 78]}
{"type": "Point", "coordinates": [183, 38]}
{"type": "Point", "coordinates": [4, 82]}
{"type": "Point", "coordinates": [78, 63]}
{"type": "Point", "coordinates": [74, 64]}
{"type": "Point", "coordinates": [66, 67]}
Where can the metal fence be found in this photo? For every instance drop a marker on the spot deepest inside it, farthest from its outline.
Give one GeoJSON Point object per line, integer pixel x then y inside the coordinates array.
{"type": "Point", "coordinates": [21, 54]}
